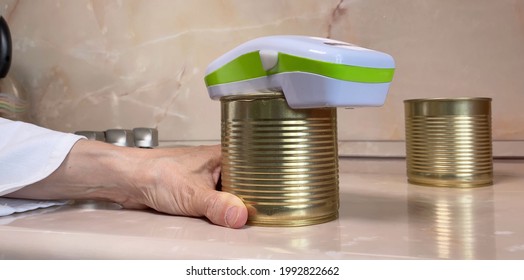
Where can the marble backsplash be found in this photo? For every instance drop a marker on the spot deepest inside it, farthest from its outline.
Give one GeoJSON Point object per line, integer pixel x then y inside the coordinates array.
{"type": "Point", "coordinates": [99, 64]}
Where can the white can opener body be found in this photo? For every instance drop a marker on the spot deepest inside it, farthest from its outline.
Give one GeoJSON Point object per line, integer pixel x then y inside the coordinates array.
{"type": "Point", "coordinates": [311, 72]}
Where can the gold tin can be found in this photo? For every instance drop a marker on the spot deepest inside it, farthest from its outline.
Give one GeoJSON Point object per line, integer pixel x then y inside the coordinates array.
{"type": "Point", "coordinates": [282, 162]}
{"type": "Point", "coordinates": [448, 142]}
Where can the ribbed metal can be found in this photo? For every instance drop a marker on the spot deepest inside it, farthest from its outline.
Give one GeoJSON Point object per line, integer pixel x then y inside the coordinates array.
{"type": "Point", "coordinates": [282, 162]}
{"type": "Point", "coordinates": [448, 142]}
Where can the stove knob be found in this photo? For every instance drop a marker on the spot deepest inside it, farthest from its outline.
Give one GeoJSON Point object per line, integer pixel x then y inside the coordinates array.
{"type": "Point", "coordinates": [145, 137]}
{"type": "Point", "coordinates": [120, 137]}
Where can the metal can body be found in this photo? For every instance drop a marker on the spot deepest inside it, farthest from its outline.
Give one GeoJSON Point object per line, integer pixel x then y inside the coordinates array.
{"type": "Point", "coordinates": [448, 142]}
{"type": "Point", "coordinates": [282, 162]}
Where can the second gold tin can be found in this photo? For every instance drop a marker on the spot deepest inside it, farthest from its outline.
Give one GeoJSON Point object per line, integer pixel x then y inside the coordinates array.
{"type": "Point", "coordinates": [448, 142]}
{"type": "Point", "coordinates": [282, 162]}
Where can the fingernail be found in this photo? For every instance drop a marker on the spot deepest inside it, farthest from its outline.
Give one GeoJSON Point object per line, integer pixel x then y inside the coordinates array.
{"type": "Point", "coordinates": [231, 216]}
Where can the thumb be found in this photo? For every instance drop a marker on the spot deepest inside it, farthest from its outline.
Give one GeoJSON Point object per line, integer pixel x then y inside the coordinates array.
{"type": "Point", "coordinates": [224, 209]}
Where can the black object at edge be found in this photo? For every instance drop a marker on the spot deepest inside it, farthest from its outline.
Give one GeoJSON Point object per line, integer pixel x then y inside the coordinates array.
{"type": "Point", "coordinates": [5, 48]}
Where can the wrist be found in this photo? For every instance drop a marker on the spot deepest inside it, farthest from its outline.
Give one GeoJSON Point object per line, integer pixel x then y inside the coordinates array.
{"type": "Point", "coordinates": [91, 170]}
{"type": "Point", "coordinates": [111, 172]}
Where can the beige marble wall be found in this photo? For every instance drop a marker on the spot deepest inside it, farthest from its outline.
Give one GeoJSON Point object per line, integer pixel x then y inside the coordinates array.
{"type": "Point", "coordinates": [125, 63]}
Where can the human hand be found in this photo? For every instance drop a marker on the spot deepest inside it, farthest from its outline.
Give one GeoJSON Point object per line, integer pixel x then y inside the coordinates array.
{"type": "Point", "coordinates": [177, 181]}
{"type": "Point", "coordinates": [182, 181]}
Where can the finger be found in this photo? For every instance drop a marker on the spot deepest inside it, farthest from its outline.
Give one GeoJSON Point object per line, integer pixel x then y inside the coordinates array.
{"type": "Point", "coordinates": [224, 209]}
{"type": "Point", "coordinates": [215, 164]}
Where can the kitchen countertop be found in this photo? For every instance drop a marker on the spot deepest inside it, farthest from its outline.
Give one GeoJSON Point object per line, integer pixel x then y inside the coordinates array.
{"type": "Point", "coordinates": [381, 217]}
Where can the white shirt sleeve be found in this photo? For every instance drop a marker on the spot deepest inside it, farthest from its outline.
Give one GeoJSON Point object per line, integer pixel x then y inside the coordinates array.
{"type": "Point", "coordinates": [29, 153]}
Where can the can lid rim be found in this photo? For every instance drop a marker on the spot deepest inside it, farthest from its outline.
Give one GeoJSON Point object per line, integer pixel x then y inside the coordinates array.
{"type": "Point", "coordinates": [447, 99]}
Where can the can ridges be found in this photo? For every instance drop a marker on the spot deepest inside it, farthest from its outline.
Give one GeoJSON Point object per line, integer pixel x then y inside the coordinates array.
{"type": "Point", "coordinates": [282, 163]}
{"type": "Point", "coordinates": [448, 142]}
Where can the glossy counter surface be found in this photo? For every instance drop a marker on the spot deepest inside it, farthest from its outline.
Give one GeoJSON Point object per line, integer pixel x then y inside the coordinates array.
{"type": "Point", "coordinates": [381, 217]}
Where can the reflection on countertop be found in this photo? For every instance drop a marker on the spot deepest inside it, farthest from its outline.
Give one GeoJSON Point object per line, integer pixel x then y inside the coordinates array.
{"type": "Point", "coordinates": [452, 223]}
{"type": "Point", "coordinates": [381, 217]}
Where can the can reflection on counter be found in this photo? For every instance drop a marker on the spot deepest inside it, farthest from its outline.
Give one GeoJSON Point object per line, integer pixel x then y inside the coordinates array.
{"type": "Point", "coordinates": [282, 162]}
{"type": "Point", "coordinates": [451, 223]}
{"type": "Point", "coordinates": [448, 142]}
